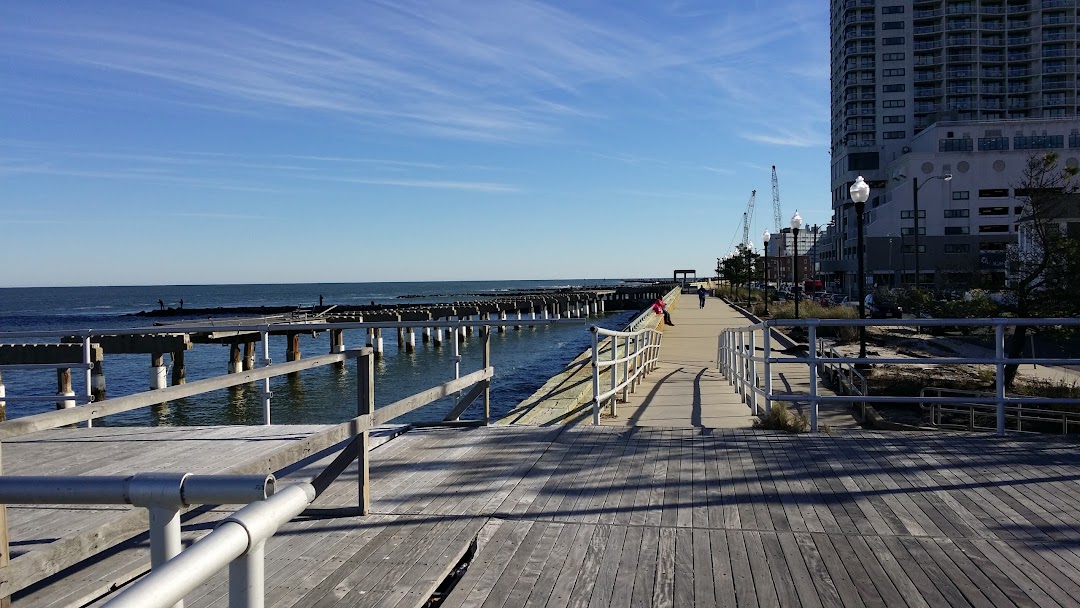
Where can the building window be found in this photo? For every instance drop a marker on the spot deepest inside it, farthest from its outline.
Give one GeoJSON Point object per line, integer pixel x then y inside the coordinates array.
{"type": "Point", "coordinates": [994, 193]}
{"type": "Point", "coordinates": [892, 25]}
{"type": "Point", "coordinates": [892, 88]}
{"type": "Point", "coordinates": [893, 103]}
{"type": "Point", "coordinates": [892, 56]}
{"type": "Point", "coordinates": [955, 213]}
{"type": "Point", "coordinates": [906, 215]}
{"type": "Point", "coordinates": [911, 249]}
{"type": "Point", "coordinates": [994, 228]}
{"type": "Point", "coordinates": [993, 143]}
{"type": "Point", "coordinates": [911, 231]}
{"type": "Point", "coordinates": [894, 135]}
{"type": "Point", "coordinates": [892, 10]}
{"type": "Point", "coordinates": [965, 248]}
{"type": "Point", "coordinates": [893, 72]}
{"type": "Point", "coordinates": [993, 246]}
{"type": "Point", "coordinates": [955, 230]}
{"type": "Point", "coordinates": [993, 211]}
{"type": "Point", "coordinates": [1038, 142]}
{"type": "Point", "coordinates": [960, 195]}
{"type": "Point", "coordinates": [955, 145]}
{"type": "Point", "coordinates": [892, 41]}
{"type": "Point", "coordinates": [893, 119]}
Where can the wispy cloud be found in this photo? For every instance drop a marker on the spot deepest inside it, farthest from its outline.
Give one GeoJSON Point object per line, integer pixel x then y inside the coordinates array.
{"type": "Point", "coordinates": [499, 71]}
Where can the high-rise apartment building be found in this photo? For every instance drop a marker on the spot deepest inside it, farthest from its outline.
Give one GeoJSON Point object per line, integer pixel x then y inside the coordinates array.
{"type": "Point", "coordinates": [928, 89]}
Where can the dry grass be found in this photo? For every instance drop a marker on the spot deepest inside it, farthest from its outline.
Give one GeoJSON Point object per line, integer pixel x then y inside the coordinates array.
{"type": "Point", "coordinates": [780, 418]}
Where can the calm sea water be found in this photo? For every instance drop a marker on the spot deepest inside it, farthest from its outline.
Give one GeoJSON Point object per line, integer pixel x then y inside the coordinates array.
{"type": "Point", "coordinates": [523, 360]}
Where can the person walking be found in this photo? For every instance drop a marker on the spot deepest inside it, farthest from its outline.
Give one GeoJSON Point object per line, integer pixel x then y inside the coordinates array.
{"type": "Point", "coordinates": [701, 293]}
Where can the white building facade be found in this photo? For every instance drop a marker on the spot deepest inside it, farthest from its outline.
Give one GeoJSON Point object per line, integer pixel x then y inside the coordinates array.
{"type": "Point", "coordinates": [926, 89]}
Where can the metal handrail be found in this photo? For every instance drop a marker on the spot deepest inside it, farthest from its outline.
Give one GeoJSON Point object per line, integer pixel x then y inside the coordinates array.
{"type": "Point", "coordinates": [1020, 412]}
{"type": "Point", "coordinates": [737, 360]}
{"type": "Point", "coordinates": [640, 352]}
{"type": "Point", "coordinates": [239, 542]}
{"type": "Point", "coordinates": [642, 333]}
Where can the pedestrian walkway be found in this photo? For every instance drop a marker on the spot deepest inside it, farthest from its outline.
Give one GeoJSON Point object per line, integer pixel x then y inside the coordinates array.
{"type": "Point", "coordinates": [687, 389]}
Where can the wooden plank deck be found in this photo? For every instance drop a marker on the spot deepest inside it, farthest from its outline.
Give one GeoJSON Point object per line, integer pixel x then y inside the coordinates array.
{"type": "Point", "coordinates": [612, 516]}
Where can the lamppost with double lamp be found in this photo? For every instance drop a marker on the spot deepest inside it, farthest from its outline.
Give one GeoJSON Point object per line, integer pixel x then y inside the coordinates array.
{"type": "Point", "coordinates": [765, 236]}
{"type": "Point", "coordinates": [796, 225]}
{"type": "Point", "coordinates": [915, 217]}
{"type": "Point", "coordinates": [860, 191]}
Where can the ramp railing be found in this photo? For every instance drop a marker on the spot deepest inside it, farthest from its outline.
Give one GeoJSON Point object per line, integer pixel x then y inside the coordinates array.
{"type": "Point", "coordinates": [740, 363]}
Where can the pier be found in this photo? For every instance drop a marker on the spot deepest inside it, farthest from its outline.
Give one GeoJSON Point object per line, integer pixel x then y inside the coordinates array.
{"type": "Point", "coordinates": [675, 500]}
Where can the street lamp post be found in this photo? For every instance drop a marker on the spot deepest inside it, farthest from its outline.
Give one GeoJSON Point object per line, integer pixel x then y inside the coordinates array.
{"type": "Point", "coordinates": [892, 272]}
{"type": "Point", "coordinates": [813, 258]}
{"type": "Point", "coordinates": [860, 191]}
{"type": "Point", "coordinates": [915, 217]}
{"type": "Point", "coordinates": [796, 224]}
{"type": "Point", "coordinates": [749, 278]}
{"type": "Point", "coordinates": [765, 237]}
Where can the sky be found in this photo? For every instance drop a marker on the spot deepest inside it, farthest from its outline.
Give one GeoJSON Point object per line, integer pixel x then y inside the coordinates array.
{"type": "Point", "coordinates": [159, 143]}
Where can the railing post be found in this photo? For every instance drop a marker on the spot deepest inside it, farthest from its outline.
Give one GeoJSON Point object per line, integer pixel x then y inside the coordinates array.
{"type": "Point", "coordinates": [596, 376]}
{"type": "Point", "coordinates": [266, 394]}
{"type": "Point", "coordinates": [811, 353]}
{"type": "Point", "coordinates": [89, 373]}
{"type": "Point", "coordinates": [247, 577]}
{"type": "Point", "coordinates": [365, 405]}
{"type": "Point", "coordinates": [741, 362]}
{"type": "Point", "coordinates": [5, 600]}
{"type": "Point", "coordinates": [999, 356]}
{"type": "Point", "coordinates": [766, 352]}
{"type": "Point", "coordinates": [626, 368]}
{"type": "Point", "coordinates": [614, 372]}
{"type": "Point", "coordinates": [753, 373]}
{"type": "Point", "coordinates": [485, 333]}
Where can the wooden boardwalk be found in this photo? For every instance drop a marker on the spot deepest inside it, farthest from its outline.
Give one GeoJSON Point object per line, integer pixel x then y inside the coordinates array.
{"type": "Point", "coordinates": [676, 502]}
{"type": "Point", "coordinates": [684, 517]}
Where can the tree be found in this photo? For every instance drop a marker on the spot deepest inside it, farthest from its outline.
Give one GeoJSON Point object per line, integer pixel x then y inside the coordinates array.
{"type": "Point", "coordinates": [1043, 266]}
{"type": "Point", "coordinates": [735, 267]}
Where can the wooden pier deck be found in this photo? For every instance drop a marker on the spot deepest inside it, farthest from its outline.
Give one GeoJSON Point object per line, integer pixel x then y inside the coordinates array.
{"type": "Point", "coordinates": [612, 516]}
{"type": "Point", "coordinates": [656, 509]}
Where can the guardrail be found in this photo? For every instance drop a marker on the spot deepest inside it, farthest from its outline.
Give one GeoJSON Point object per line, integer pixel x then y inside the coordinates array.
{"type": "Point", "coordinates": [239, 542]}
{"type": "Point", "coordinates": [350, 437]}
{"type": "Point", "coordinates": [738, 361]}
{"type": "Point", "coordinates": [640, 350]}
{"type": "Point", "coordinates": [943, 415]}
{"type": "Point", "coordinates": [628, 362]}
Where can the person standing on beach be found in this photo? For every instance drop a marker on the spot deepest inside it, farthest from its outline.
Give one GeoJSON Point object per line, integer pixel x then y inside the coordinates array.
{"type": "Point", "coordinates": [181, 303]}
{"type": "Point", "coordinates": [161, 304]}
{"type": "Point", "coordinates": [701, 293]}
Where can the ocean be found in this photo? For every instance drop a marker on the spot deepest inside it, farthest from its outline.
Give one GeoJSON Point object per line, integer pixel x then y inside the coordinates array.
{"type": "Point", "coordinates": [523, 360]}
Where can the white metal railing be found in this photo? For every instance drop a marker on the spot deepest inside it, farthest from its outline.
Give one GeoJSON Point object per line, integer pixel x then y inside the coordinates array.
{"type": "Point", "coordinates": [162, 494]}
{"type": "Point", "coordinates": [738, 361]}
{"type": "Point", "coordinates": [640, 350]}
{"type": "Point", "coordinates": [239, 543]}
{"type": "Point", "coordinates": [945, 415]}
{"type": "Point", "coordinates": [630, 355]}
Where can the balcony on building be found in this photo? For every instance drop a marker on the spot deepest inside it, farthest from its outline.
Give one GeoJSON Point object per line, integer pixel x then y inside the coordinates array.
{"type": "Point", "coordinates": [956, 144]}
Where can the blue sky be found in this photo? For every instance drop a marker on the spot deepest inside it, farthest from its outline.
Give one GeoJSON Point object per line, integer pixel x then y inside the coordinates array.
{"type": "Point", "coordinates": [148, 143]}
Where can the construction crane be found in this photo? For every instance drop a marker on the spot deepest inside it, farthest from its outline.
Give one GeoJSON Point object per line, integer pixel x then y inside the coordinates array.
{"type": "Point", "coordinates": [748, 218]}
{"type": "Point", "coordinates": [776, 201]}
